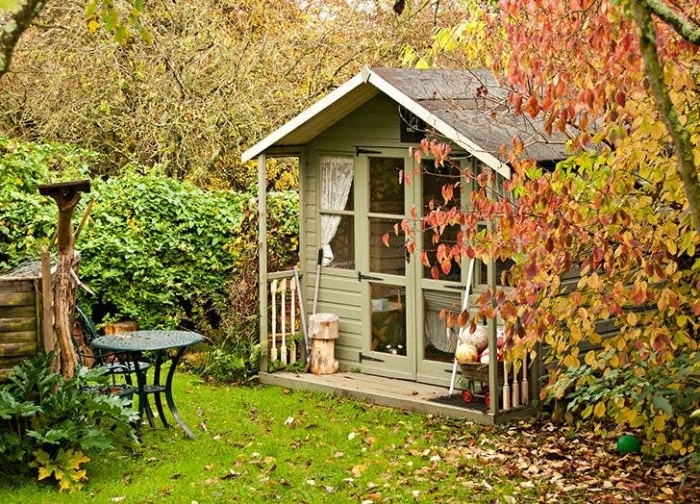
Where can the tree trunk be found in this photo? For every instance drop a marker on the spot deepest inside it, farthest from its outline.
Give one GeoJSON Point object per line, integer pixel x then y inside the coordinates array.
{"type": "Point", "coordinates": [12, 28]}
{"type": "Point", "coordinates": [63, 308]}
{"type": "Point", "coordinates": [682, 142]}
{"type": "Point", "coordinates": [67, 196]}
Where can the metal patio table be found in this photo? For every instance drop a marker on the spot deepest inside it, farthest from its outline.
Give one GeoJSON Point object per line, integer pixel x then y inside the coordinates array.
{"type": "Point", "coordinates": [164, 344]}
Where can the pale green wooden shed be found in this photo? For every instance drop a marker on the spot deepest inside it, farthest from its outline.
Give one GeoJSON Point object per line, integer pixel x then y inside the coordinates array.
{"type": "Point", "coordinates": [354, 147]}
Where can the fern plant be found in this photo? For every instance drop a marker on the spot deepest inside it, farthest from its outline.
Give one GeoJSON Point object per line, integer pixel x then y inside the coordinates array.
{"type": "Point", "coordinates": [50, 426]}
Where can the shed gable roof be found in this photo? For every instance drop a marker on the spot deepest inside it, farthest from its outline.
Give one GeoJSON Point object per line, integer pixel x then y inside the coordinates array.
{"type": "Point", "coordinates": [466, 107]}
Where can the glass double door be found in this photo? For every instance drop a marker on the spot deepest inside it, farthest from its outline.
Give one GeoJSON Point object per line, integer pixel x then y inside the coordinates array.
{"type": "Point", "coordinates": [405, 333]}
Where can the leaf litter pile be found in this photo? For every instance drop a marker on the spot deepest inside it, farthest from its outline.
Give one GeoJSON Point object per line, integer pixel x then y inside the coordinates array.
{"type": "Point", "coordinates": [550, 463]}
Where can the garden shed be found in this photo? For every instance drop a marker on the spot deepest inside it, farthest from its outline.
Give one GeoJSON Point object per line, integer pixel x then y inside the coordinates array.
{"type": "Point", "coordinates": [354, 148]}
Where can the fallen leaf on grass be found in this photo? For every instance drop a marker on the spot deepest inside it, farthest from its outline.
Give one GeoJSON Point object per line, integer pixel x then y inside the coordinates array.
{"type": "Point", "coordinates": [230, 475]}
{"type": "Point", "coordinates": [358, 469]}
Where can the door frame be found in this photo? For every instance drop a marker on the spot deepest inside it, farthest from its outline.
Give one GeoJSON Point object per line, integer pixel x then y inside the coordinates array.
{"type": "Point", "coordinates": [372, 361]}
{"type": "Point", "coordinates": [413, 366]}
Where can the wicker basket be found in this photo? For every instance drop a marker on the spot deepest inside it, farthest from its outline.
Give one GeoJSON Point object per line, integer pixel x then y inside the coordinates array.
{"type": "Point", "coordinates": [476, 371]}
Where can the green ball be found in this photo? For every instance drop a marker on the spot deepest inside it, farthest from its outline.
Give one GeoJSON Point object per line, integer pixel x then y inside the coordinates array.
{"type": "Point", "coordinates": [628, 444]}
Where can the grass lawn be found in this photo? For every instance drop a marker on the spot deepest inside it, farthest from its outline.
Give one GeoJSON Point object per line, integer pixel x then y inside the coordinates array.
{"type": "Point", "coordinates": [265, 444]}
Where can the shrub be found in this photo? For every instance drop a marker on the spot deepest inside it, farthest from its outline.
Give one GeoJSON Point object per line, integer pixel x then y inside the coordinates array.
{"type": "Point", "coordinates": [236, 353]}
{"type": "Point", "coordinates": [163, 252]}
{"type": "Point", "coordinates": [52, 425]}
{"type": "Point", "coordinates": [156, 250]}
{"type": "Point", "coordinates": [654, 395]}
{"type": "Point", "coordinates": [28, 220]}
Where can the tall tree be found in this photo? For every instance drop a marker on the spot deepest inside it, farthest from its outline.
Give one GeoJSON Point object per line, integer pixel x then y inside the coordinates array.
{"type": "Point", "coordinates": [213, 78]}
{"type": "Point", "coordinates": [621, 80]}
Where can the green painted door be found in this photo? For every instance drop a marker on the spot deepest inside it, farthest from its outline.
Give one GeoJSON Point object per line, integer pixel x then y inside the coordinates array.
{"type": "Point", "coordinates": [406, 334]}
{"type": "Point", "coordinates": [388, 300]}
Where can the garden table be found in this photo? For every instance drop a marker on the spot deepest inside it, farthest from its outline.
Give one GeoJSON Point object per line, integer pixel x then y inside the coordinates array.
{"type": "Point", "coordinates": [164, 345]}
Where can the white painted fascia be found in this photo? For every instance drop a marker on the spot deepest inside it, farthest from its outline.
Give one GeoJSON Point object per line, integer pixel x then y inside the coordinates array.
{"type": "Point", "coordinates": [303, 117]}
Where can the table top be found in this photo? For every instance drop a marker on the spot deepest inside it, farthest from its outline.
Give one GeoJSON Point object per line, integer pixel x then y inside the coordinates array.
{"type": "Point", "coordinates": [140, 341]}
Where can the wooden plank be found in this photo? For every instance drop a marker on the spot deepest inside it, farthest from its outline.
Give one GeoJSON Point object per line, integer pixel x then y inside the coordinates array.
{"type": "Point", "coordinates": [17, 299]}
{"type": "Point", "coordinates": [262, 257]}
{"type": "Point", "coordinates": [7, 364]}
{"type": "Point", "coordinates": [18, 348]}
{"type": "Point", "coordinates": [46, 334]}
{"type": "Point", "coordinates": [18, 311]}
{"type": "Point", "coordinates": [18, 324]}
{"type": "Point", "coordinates": [17, 336]}
{"type": "Point", "coordinates": [16, 285]}
{"type": "Point", "coordinates": [390, 392]}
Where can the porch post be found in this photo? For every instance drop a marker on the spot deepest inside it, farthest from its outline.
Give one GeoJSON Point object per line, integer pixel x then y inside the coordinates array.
{"type": "Point", "coordinates": [262, 259]}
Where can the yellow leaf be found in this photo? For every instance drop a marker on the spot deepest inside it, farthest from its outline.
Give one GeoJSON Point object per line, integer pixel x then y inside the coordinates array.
{"type": "Point", "coordinates": [632, 318]}
{"type": "Point", "coordinates": [587, 411]}
{"type": "Point", "coordinates": [671, 246]}
{"type": "Point", "coordinates": [636, 420]}
{"type": "Point", "coordinates": [93, 25]}
{"type": "Point", "coordinates": [614, 361]}
{"type": "Point", "coordinates": [44, 472]}
{"type": "Point", "coordinates": [590, 358]}
{"type": "Point", "coordinates": [571, 361]}
{"type": "Point", "coordinates": [677, 445]}
{"type": "Point", "coordinates": [659, 423]}
{"type": "Point", "coordinates": [358, 469]}
{"type": "Point", "coordinates": [599, 410]}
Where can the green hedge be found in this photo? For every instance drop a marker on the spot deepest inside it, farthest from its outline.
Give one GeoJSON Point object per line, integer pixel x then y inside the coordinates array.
{"type": "Point", "coordinates": [155, 250]}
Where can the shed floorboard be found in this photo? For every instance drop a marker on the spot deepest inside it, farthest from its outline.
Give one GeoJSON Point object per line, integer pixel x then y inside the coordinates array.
{"type": "Point", "coordinates": [394, 393]}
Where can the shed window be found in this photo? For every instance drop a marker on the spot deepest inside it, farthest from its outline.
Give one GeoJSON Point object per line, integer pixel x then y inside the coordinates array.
{"type": "Point", "coordinates": [495, 191]}
{"type": "Point", "coordinates": [434, 179]}
{"type": "Point", "coordinates": [337, 216]}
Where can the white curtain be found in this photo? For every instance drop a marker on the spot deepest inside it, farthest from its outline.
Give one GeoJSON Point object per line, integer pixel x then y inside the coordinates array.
{"type": "Point", "coordinates": [336, 181]}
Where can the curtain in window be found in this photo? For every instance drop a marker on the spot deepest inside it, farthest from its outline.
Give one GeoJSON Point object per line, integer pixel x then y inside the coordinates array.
{"type": "Point", "coordinates": [336, 181]}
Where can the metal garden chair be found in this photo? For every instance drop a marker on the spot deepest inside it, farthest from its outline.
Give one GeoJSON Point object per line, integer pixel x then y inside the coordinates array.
{"type": "Point", "coordinates": [111, 362]}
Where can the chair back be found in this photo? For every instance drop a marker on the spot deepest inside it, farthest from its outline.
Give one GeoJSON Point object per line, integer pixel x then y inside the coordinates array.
{"type": "Point", "coordinates": [83, 334]}
{"type": "Point", "coordinates": [86, 324]}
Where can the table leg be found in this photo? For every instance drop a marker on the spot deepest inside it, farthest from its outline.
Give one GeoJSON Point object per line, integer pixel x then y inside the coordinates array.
{"type": "Point", "coordinates": [157, 389]}
{"type": "Point", "coordinates": [141, 388]}
{"type": "Point", "coordinates": [169, 394]}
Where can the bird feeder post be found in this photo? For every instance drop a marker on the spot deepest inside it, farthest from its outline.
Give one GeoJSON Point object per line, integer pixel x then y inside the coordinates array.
{"type": "Point", "coordinates": [66, 195]}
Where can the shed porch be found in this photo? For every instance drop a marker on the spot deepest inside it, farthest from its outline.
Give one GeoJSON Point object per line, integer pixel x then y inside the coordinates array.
{"type": "Point", "coordinates": [394, 393]}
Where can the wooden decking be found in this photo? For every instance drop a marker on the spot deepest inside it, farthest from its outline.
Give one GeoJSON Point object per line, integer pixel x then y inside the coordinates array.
{"type": "Point", "coordinates": [394, 393]}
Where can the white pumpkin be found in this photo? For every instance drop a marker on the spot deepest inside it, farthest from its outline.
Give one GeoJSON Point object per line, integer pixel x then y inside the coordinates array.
{"type": "Point", "coordinates": [466, 352]}
{"type": "Point", "coordinates": [479, 338]}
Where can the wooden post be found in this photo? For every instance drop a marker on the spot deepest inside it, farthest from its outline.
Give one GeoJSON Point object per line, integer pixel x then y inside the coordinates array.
{"type": "Point", "coordinates": [47, 333]}
{"type": "Point", "coordinates": [67, 196]}
{"type": "Point", "coordinates": [323, 329]}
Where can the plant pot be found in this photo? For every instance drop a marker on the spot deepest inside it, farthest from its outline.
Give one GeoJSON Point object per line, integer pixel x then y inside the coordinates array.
{"type": "Point", "coordinates": [120, 327]}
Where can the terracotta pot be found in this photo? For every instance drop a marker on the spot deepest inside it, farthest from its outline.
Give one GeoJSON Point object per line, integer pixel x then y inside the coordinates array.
{"type": "Point", "coordinates": [120, 327]}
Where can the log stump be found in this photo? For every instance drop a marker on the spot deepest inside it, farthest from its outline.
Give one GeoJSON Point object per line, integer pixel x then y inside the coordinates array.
{"type": "Point", "coordinates": [323, 330]}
